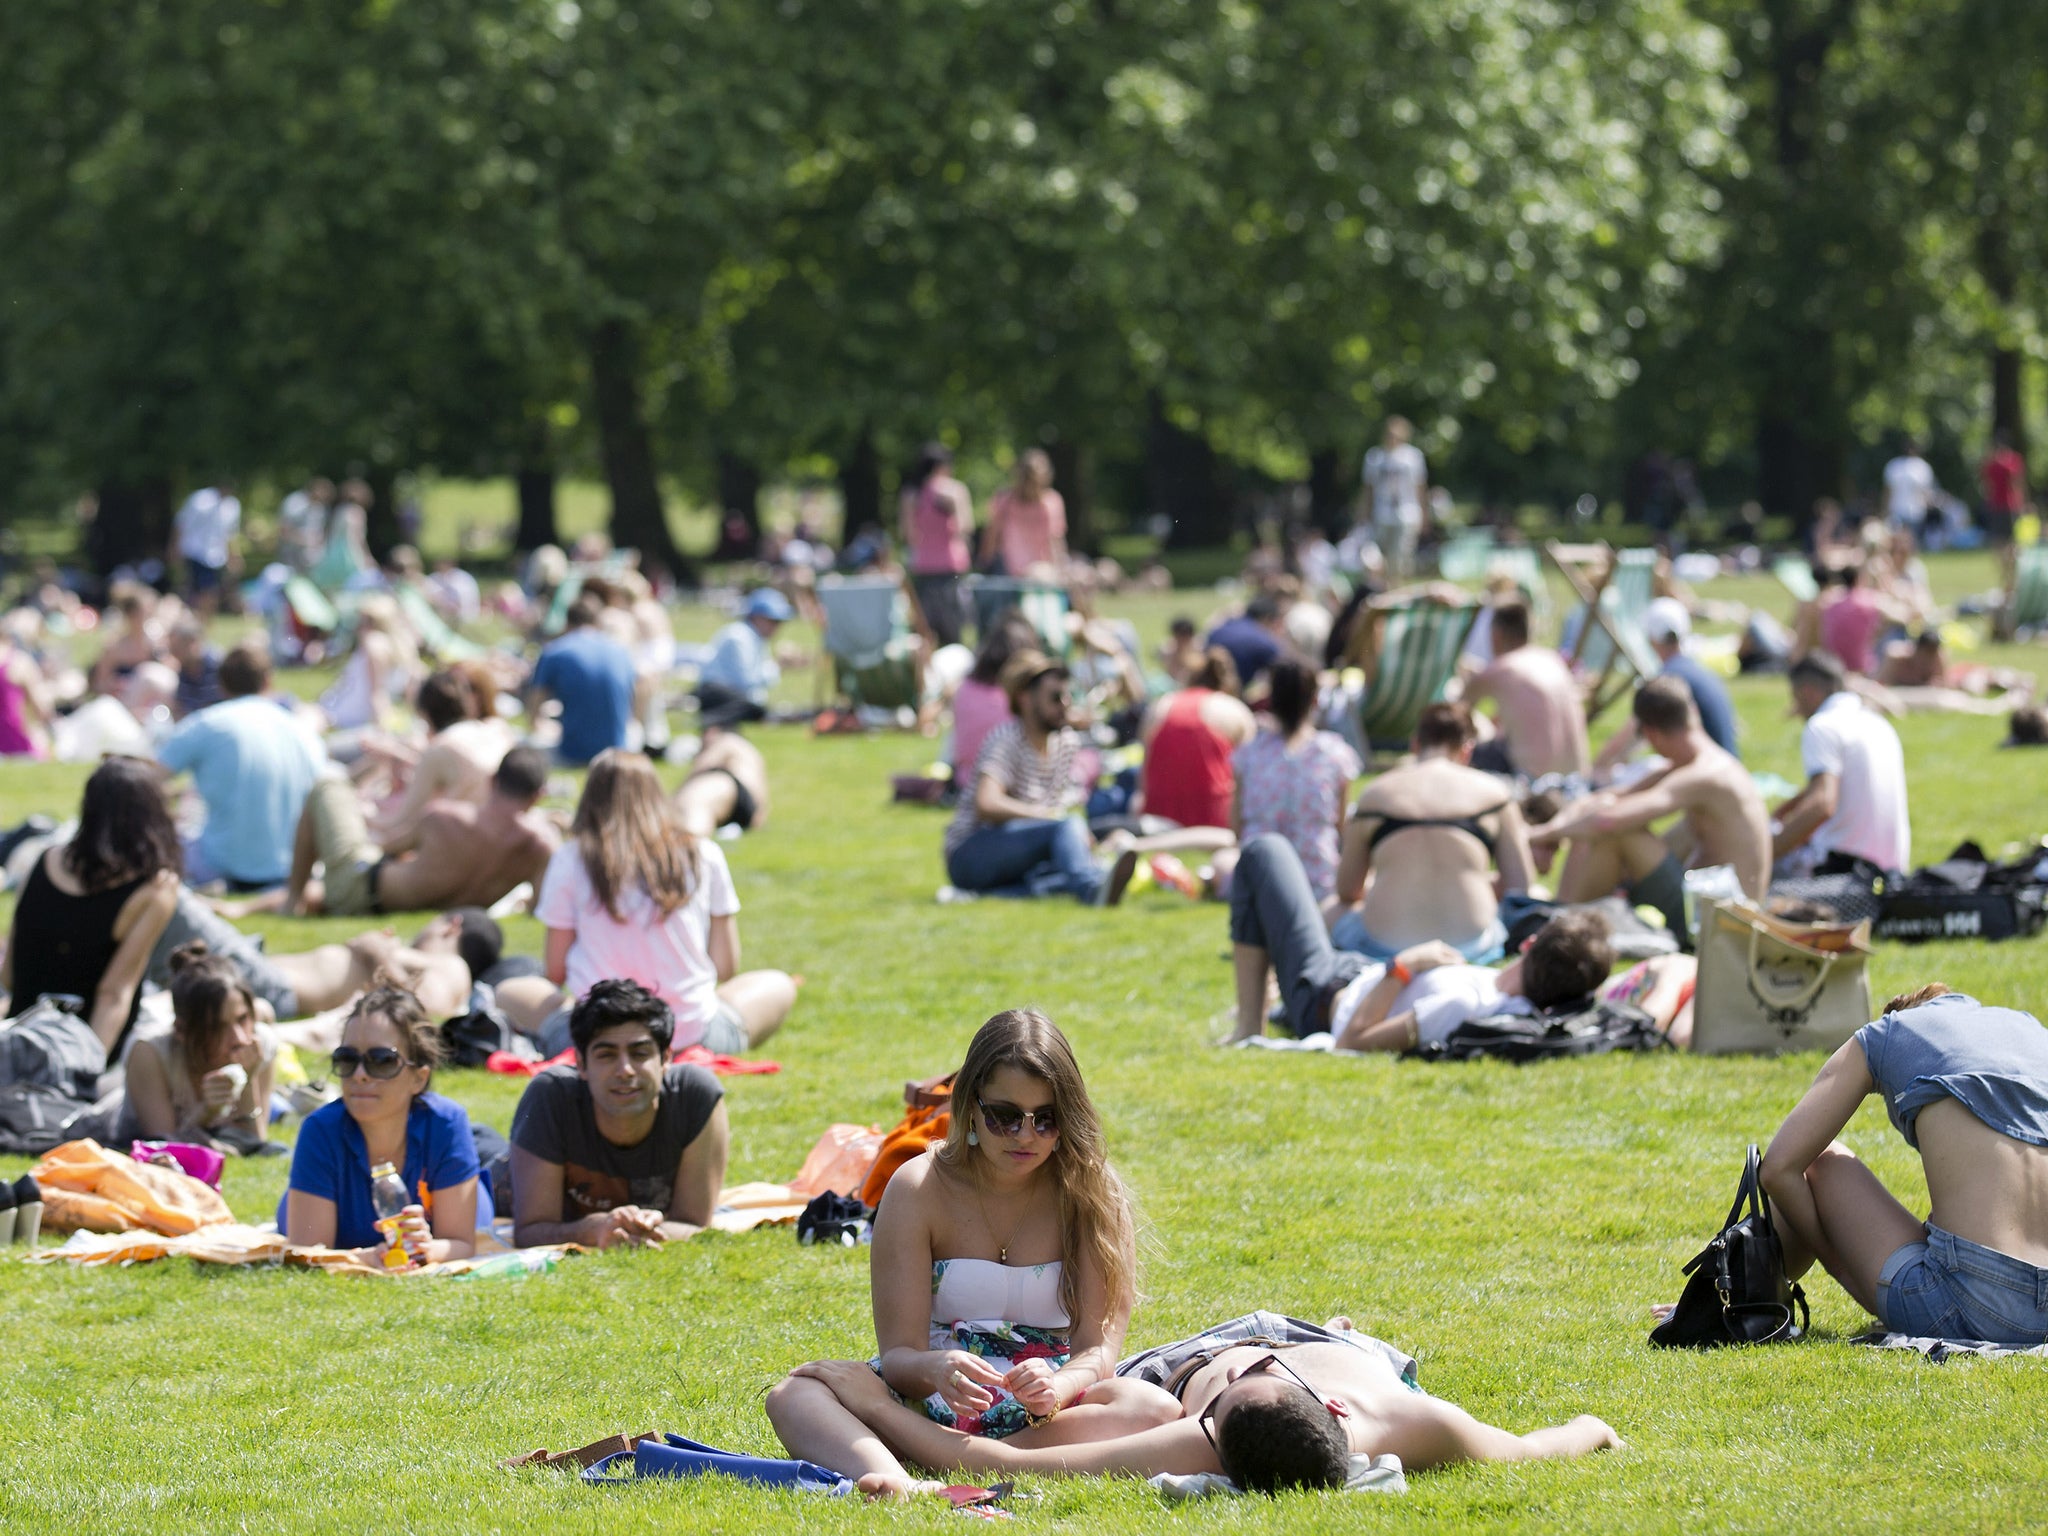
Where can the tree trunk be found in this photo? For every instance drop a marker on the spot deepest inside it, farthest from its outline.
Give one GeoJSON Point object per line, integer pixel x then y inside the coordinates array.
{"type": "Point", "coordinates": [1329, 492]}
{"type": "Point", "coordinates": [860, 487]}
{"type": "Point", "coordinates": [739, 497]}
{"type": "Point", "coordinates": [1795, 467]}
{"type": "Point", "coordinates": [536, 481]}
{"type": "Point", "coordinates": [2008, 409]}
{"type": "Point", "coordinates": [1073, 475]}
{"type": "Point", "coordinates": [638, 519]}
{"type": "Point", "coordinates": [1994, 260]}
{"type": "Point", "coordinates": [380, 529]}
{"type": "Point", "coordinates": [133, 523]}
{"type": "Point", "coordinates": [1184, 480]}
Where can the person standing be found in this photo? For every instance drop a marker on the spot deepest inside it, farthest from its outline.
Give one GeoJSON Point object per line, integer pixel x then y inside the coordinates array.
{"type": "Point", "coordinates": [1027, 524]}
{"type": "Point", "coordinates": [1397, 476]}
{"type": "Point", "coordinates": [2005, 494]}
{"type": "Point", "coordinates": [207, 533]}
{"type": "Point", "coordinates": [1909, 488]}
{"type": "Point", "coordinates": [938, 517]}
{"type": "Point", "coordinates": [593, 677]}
{"type": "Point", "coordinates": [302, 524]}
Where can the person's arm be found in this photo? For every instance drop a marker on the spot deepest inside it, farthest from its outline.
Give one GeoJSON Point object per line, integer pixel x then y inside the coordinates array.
{"type": "Point", "coordinates": [995, 805]}
{"type": "Point", "coordinates": [140, 924]}
{"type": "Point", "coordinates": [900, 1271]}
{"type": "Point", "coordinates": [555, 960]}
{"type": "Point", "coordinates": [150, 1100]}
{"type": "Point", "coordinates": [1354, 859]}
{"type": "Point", "coordinates": [537, 1185]}
{"type": "Point", "coordinates": [723, 945]}
{"type": "Point", "coordinates": [700, 1175]}
{"type": "Point", "coordinates": [991, 531]}
{"type": "Point", "coordinates": [1816, 1120]}
{"type": "Point", "coordinates": [1094, 1344]}
{"type": "Point", "coordinates": [1512, 853]}
{"type": "Point", "coordinates": [453, 1232]}
{"type": "Point", "coordinates": [1370, 1028]}
{"type": "Point", "coordinates": [438, 772]}
{"type": "Point", "coordinates": [1237, 806]}
{"type": "Point", "coordinates": [1056, 527]}
{"type": "Point", "coordinates": [1804, 814]}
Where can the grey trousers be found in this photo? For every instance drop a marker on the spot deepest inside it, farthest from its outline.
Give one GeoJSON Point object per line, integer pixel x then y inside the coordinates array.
{"type": "Point", "coordinates": [1273, 908]}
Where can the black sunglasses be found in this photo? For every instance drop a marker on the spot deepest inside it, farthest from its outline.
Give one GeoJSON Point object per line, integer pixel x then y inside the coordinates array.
{"type": "Point", "coordinates": [1208, 1414]}
{"type": "Point", "coordinates": [1008, 1119]}
{"type": "Point", "coordinates": [380, 1061]}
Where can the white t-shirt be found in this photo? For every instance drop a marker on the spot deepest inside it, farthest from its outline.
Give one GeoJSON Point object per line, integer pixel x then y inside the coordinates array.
{"type": "Point", "coordinates": [1858, 746]}
{"type": "Point", "coordinates": [1396, 476]}
{"type": "Point", "coordinates": [1441, 999]}
{"type": "Point", "coordinates": [1908, 488]}
{"type": "Point", "coordinates": [206, 524]}
{"type": "Point", "coordinates": [671, 957]}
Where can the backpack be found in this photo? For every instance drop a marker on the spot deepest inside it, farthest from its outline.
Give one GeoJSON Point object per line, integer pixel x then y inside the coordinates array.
{"type": "Point", "coordinates": [50, 1046]}
{"type": "Point", "coordinates": [472, 1039]}
{"type": "Point", "coordinates": [1965, 896]}
{"type": "Point", "coordinates": [1588, 1028]}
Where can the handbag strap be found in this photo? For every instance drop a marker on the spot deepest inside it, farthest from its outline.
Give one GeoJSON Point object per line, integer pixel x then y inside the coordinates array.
{"type": "Point", "coordinates": [1805, 997]}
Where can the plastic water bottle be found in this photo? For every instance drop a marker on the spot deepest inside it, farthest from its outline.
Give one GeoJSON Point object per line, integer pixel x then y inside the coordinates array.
{"type": "Point", "coordinates": [387, 1193]}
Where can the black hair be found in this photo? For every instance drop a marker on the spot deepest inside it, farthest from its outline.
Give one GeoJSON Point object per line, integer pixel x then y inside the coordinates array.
{"type": "Point", "coordinates": [1569, 958]}
{"type": "Point", "coordinates": [1818, 669]}
{"type": "Point", "coordinates": [1010, 633]}
{"type": "Point", "coordinates": [201, 982]}
{"type": "Point", "coordinates": [1182, 625]}
{"type": "Point", "coordinates": [1262, 609]}
{"type": "Point", "coordinates": [612, 1002]}
{"type": "Point", "coordinates": [1272, 1441]}
{"type": "Point", "coordinates": [1509, 625]}
{"type": "Point", "coordinates": [478, 939]}
{"type": "Point", "coordinates": [1292, 689]}
{"type": "Point", "coordinates": [125, 831]}
{"type": "Point", "coordinates": [522, 774]}
{"type": "Point", "coordinates": [1445, 725]}
{"type": "Point", "coordinates": [584, 610]}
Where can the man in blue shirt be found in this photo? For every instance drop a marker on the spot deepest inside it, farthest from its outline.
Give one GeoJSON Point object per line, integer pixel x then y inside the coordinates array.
{"type": "Point", "coordinates": [741, 672]}
{"type": "Point", "coordinates": [253, 766]}
{"type": "Point", "coordinates": [1666, 625]}
{"type": "Point", "coordinates": [593, 677]}
{"type": "Point", "coordinates": [1254, 638]}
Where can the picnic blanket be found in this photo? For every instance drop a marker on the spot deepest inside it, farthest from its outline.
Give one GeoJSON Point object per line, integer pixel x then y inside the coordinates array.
{"type": "Point", "coordinates": [231, 1242]}
{"type": "Point", "coordinates": [509, 1065]}
{"type": "Point", "coordinates": [1940, 1350]}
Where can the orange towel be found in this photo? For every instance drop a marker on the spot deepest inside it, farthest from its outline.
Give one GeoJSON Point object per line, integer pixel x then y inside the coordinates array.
{"type": "Point", "coordinates": [102, 1191]}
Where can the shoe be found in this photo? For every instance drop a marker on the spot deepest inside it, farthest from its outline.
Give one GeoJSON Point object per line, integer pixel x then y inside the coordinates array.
{"type": "Point", "coordinates": [1119, 878]}
{"type": "Point", "coordinates": [8, 1213]}
{"type": "Point", "coordinates": [952, 895]}
{"type": "Point", "coordinates": [28, 1210]}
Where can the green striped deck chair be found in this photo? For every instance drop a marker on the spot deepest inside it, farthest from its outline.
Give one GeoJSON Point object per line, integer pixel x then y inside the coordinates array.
{"type": "Point", "coordinates": [1795, 574]}
{"type": "Point", "coordinates": [1417, 657]}
{"type": "Point", "coordinates": [438, 638]}
{"type": "Point", "coordinates": [2028, 606]}
{"type": "Point", "coordinates": [1045, 606]}
{"type": "Point", "coordinates": [1465, 557]}
{"type": "Point", "coordinates": [1614, 590]}
{"type": "Point", "coordinates": [869, 638]}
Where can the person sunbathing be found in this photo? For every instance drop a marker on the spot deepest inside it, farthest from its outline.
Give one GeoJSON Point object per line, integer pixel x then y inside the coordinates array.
{"type": "Point", "coordinates": [727, 786]}
{"type": "Point", "coordinates": [1721, 817]}
{"type": "Point", "coordinates": [1268, 1401]}
{"type": "Point", "coordinates": [994, 1348]}
{"type": "Point", "coordinates": [1966, 1085]}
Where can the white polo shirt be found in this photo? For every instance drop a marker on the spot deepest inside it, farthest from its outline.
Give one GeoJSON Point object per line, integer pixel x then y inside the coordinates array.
{"type": "Point", "coordinates": [1857, 745]}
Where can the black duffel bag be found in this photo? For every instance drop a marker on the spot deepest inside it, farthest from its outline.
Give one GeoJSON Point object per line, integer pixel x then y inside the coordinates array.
{"type": "Point", "coordinates": [1737, 1291]}
{"type": "Point", "coordinates": [1965, 896]}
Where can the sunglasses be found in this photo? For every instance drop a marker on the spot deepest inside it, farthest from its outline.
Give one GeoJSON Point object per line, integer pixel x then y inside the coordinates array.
{"type": "Point", "coordinates": [380, 1061]}
{"type": "Point", "coordinates": [1008, 1119]}
{"type": "Point", "coordinates": [1263, 1363]}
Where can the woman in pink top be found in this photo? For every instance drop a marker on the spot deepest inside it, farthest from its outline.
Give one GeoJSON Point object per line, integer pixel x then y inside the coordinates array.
{"type": "Point", "coordinates": [1849, 626]}
{"type": "Point", "coordinates": [23, 705]}
{"type": "Point", "coordinates": [938, 517]}
{"type": "Point", "coordinates": [979, 704]}
{"type": "Point", "coordinates": [1027, 524]}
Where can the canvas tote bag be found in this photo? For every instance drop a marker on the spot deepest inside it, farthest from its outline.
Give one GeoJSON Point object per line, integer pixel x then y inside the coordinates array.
{"type": "Point", "coordinates": [1769, 985]}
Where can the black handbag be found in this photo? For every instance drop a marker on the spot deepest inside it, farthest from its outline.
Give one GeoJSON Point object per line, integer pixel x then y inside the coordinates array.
{"type": "Point", "coordinates": [1737, 1291]}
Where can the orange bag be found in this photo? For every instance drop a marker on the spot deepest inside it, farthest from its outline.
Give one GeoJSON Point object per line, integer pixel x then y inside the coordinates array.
{"type": "Point", "coordinates": [926, 1120]}
{"type": "Point", "coordinates": [103, 1191]}
{"type": "Point", "coordinates": [839, 1162]}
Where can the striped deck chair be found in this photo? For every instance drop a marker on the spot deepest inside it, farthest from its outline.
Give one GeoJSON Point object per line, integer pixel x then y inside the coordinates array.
{"type": "Point", "coordinates": [1465, 557]}
{"type": "Point", "coordinates": [1044, 605]}
{"type": "Point", "coordinates": [869, 637]}
{"type": "Point", "coordinates": [2027, 606]}
{"type": "Point", "coordinates": [1415, 656]}
{"type": "Point", "coordinates": [1795, 574]}
{"type": "Point", "coordinates": [438, 638]}
{"type": "Point", "coordinates": [1614, 590]}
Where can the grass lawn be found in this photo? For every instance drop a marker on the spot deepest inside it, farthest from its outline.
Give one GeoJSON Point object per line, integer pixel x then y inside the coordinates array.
{"type": "Point", "coordinates": [1508, 1226]}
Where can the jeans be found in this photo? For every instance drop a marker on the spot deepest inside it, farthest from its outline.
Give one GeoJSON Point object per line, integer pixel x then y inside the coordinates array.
{"type": "Point", "coordinates": [1027, 858]}
{"type": "Point", "coordinates": [1272, 908]}
{"type": "Point", "coordinates": [1349, 932]}
{"type": "Point", "coordinates": [1948, 1287]}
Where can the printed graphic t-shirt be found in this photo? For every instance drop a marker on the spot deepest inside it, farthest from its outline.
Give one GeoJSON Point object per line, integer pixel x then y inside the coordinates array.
{"type": "Point", "coordinates": [557, 1123]}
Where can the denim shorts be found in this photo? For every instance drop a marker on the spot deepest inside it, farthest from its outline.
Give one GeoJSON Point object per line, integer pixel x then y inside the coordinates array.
{"type": "Point", "coordinates": [1947, 1287]}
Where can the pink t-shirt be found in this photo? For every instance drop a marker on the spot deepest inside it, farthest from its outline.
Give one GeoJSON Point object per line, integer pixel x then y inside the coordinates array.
{"type": "Point", "coordinates": [15, 740]}
{"type": "Point", "coordinates": [978, 708]}
{"type": "Point", "coordinates": [670, 956]}
{"type": "Point", "coordinates": [938, 531]}
{"type": "Point", "coordinates": [1849, 627]}
{"type": "Point", "coordinates": [1026, 530]}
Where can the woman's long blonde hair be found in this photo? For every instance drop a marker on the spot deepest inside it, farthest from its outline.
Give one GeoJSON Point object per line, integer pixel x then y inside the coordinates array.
{"type": "Point", "coordinates": [630, 833]}
{"type": "Point", "coordinates": [1096, 1224]}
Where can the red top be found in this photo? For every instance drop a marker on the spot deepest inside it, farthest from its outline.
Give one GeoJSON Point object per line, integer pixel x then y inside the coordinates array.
{"type": "Point", "coordinates": [1187, 775]}
{"type": "Point", "coordinates": [2005, 481]}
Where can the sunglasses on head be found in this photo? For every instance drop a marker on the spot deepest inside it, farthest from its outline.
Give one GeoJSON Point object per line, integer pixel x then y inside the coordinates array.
{"type": "Point", "coordinates": [380, 1061]}
{"type": "Point", "coordinates": [1206, 1421]}
{"type": "Point", "coordinates": [1008, 1119]}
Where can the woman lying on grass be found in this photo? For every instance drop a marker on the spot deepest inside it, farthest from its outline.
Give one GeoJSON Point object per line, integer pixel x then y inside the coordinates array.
{"type": "Point", "coordinates": [1967, 1086]}
{"type": "Point", "coordinates": [207, 1079]}
{"type": "Point", "coordinates": [385, 1115]}
{"type": "Point", "coordinates": [1003, 1270]}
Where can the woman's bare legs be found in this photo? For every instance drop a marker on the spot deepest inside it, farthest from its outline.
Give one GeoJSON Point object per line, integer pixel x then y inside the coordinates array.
{"type": "Point", "coordinates": [813, 1424]}
{"type": "Point", "coordinates": [1848, 1221]}
{"type": "Point", "coordinates": [762, 999]}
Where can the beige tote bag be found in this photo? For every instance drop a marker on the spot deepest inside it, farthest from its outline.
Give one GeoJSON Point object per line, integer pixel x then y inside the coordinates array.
{"type": "Point", "coordinates": [1767, 985]}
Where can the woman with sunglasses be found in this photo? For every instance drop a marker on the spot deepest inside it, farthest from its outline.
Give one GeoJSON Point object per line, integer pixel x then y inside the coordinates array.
{"type": "Point", "coordinates": [1003, 1270]}
{"type": "Point", "coordinates": [386, 1115]}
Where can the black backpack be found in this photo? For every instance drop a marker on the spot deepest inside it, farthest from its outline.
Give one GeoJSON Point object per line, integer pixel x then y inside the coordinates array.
{"type": "Point", "coordinates": [1588, 1028]}
{"type": "Point", "coordinates": [1965, 896]}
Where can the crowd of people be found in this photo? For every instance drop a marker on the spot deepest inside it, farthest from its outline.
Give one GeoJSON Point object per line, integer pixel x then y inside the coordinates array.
{"type": "Point", "coordinates": [1384, 917]}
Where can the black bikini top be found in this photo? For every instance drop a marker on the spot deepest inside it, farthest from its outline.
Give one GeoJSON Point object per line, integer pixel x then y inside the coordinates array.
{"type": "Point", "coordinates": [1389, 825]}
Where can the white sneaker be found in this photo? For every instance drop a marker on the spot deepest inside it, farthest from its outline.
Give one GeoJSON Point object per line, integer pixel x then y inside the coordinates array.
{"type": "Point", "coordinates": [952, 895]}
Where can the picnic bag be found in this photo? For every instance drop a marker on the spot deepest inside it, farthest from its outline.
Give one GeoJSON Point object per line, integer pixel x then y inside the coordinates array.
{"type": "Point", "coordinates": [1590, 1028]}
{"type": "Point", "coordinates": [49, 1045]}
{"type": "Point", "coordinates": [1737, 1291]}
{"type": "Point", "coordinates": [1965, 896]}
{"type": "Point", "coordinates": [926, 1119]}
{"type": "Point", "coordinates": [1767, 984]}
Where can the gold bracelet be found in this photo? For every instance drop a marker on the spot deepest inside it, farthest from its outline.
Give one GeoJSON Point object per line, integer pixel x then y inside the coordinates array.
{"type": "Point", "coordinates": [1033, 1420]}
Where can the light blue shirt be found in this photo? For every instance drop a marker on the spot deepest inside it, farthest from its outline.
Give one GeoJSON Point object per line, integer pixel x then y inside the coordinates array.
{"type": "Point", "coordinates": [742, 660]}
{"type": "Point", "coordinates": [253, 766]}
{"type": "Point", "coordinates": [1994, 1061]}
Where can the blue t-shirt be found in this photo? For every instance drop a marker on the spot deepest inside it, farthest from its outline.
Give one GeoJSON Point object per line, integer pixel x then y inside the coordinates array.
{"type": "Point", "coordinates": [1250, 643]}
{"type": "Point", "coordinates": [1709, 696]}
{"type": "Point", "coordinates": [592, 674]}
{"type": "Point", "coordinates": [332, 1161]}
{"type": "Point", "coordinates": [253, 767]}
{"type": "Point", "coordinates": [1994, 1061]}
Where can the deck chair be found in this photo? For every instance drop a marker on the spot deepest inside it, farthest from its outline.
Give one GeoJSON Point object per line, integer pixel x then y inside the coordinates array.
{"type": "Point", "coordinates": [2026, 607]}
{"type": "Point", "coordinates": [1795, 575]}
{"type": "Point", "coordinates": [1614, 590]}
{"type": "Point", "coordinates": [1465, 557]}
{"type": "Point", "coordinates": [1473, 558]}
{"type": "Point", "coordinates": [870, 635]}
{"type": "Point", "coordinates": [1410, 657]}
{"type": "Point", "coordinates": [1044, 605]}
{"type": "Point", "coordinates": [438, 638]}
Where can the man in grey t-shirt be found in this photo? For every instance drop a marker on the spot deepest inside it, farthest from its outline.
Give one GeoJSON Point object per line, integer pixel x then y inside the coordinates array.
{"type": "Point", "coordinates": [622, 1148]}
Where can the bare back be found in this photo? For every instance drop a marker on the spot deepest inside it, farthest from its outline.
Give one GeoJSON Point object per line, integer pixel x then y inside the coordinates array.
{"type": "Point", "coordinates": [1429, 881]}
{"type": "Point", "coordinates": [1726, 815]}
{"type": "Point", "coordinates": [466, 858]}
{"type": "Point", "coordinates": [1985, 1186]}
{"type": "Point", "coordinates": [1539, 710]}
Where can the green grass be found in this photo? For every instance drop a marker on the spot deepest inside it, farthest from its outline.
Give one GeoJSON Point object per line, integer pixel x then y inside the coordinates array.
{"type": "Point", "coordinates": [1508, 1226]}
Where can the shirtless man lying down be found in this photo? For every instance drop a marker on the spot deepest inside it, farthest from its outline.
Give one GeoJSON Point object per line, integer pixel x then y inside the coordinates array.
{"type": "Point", "coordinates": [1270, 1401]}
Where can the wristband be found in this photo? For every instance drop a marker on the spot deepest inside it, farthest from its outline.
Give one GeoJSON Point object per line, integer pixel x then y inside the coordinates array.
{"type": "Point", "coordinates": [1401, 973]}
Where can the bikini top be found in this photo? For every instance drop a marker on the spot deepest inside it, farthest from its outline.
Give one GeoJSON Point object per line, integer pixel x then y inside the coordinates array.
{"type": "Point", "coordinates": [1389, 825]}
{"type": "Point", "coordinates": [981, 1290]}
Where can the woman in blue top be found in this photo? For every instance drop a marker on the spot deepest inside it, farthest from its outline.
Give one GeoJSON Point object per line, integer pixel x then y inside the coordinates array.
{"type": "Point", "coordinates": [385, 1115]}
{"type": "Point", "coordinates": [1967, 1085]}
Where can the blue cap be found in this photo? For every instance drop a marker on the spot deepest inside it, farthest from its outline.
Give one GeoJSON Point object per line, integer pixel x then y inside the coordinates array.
{"type": "Point", "coordinates": [767, 603]}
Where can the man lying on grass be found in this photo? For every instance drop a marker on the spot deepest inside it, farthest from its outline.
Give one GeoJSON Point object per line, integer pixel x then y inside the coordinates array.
{"type": "Point", "coordinates": [1270, 1401]}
